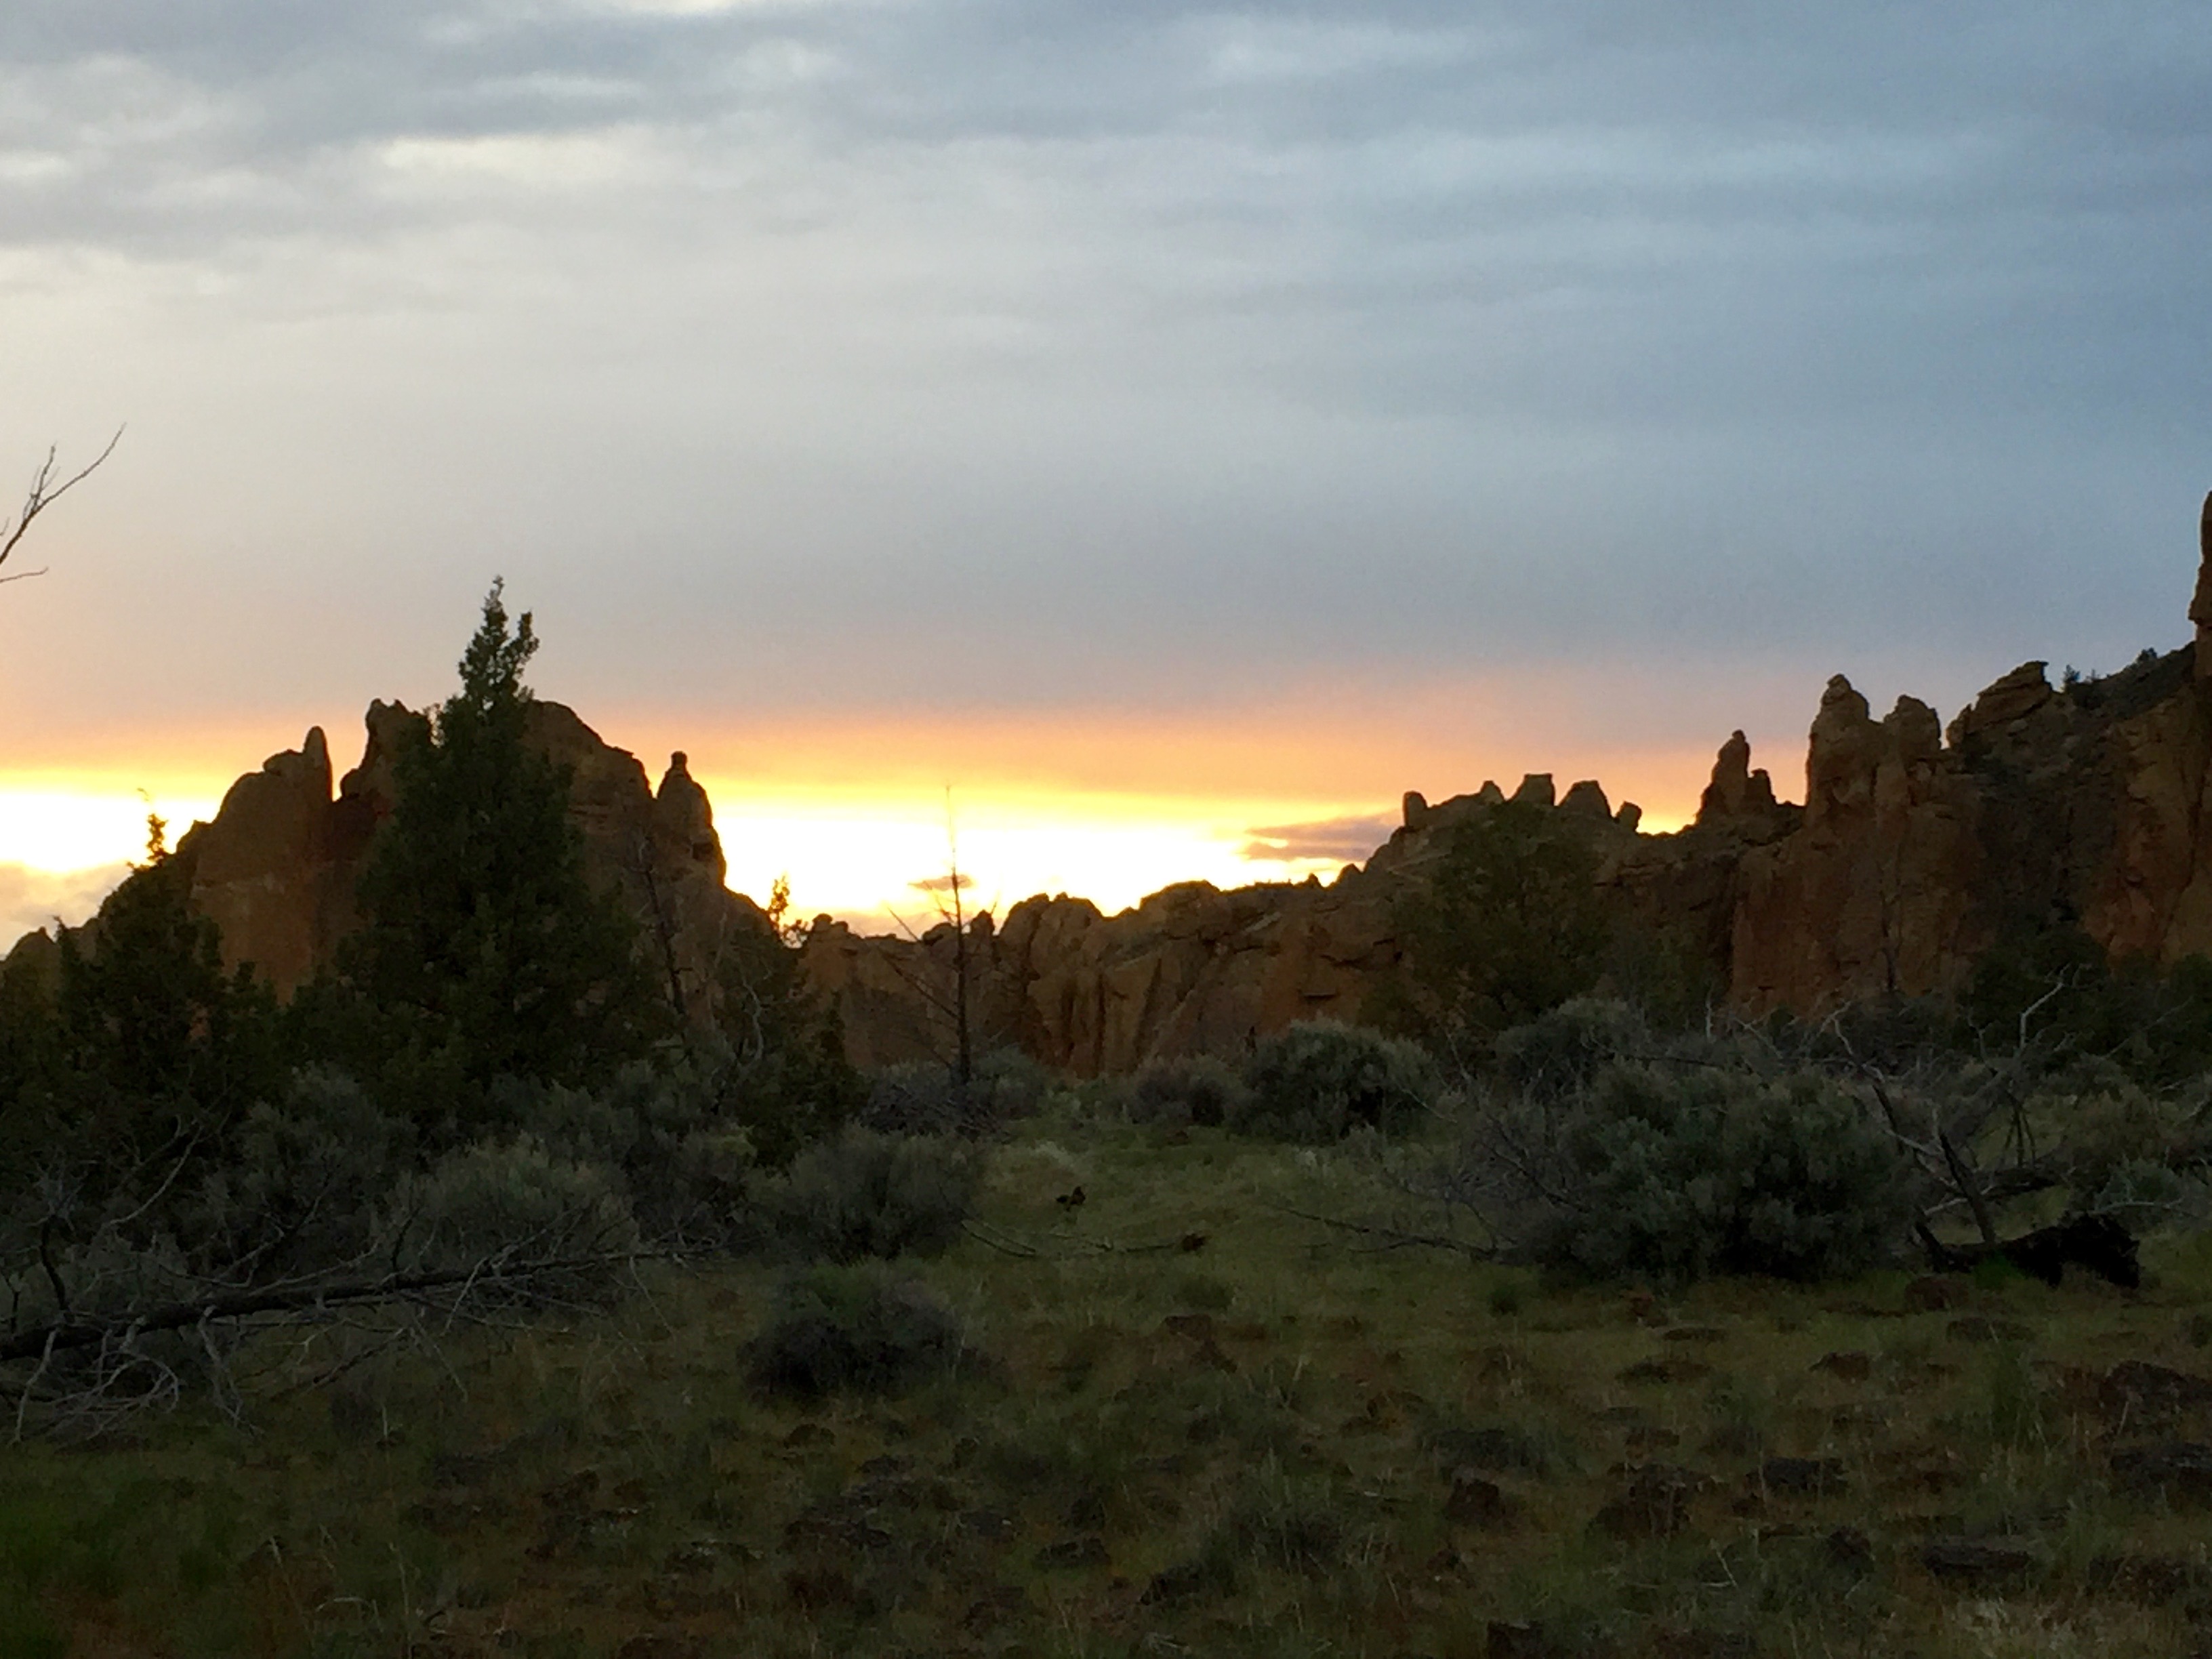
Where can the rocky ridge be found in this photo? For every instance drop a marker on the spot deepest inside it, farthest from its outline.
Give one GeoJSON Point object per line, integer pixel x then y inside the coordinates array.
{"type": "Point", "coordinates": [2085, 804]}
{"type": "Point", "coordinates": [275, 868]}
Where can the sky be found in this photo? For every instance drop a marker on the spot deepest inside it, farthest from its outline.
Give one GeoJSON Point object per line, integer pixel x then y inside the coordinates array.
{"type": "Point", "coordinates": [1156, 424]}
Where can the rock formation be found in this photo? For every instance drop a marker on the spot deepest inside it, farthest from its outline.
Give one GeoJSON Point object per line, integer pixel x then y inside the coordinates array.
{"type": "Point", "coordinates": [275, 868]}
{"type": "Point", "coordinates": [2085, 805]}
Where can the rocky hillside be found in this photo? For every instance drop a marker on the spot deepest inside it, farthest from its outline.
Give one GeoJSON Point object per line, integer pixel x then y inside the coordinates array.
{"type": "Point", "coordinates": [2080, 805]}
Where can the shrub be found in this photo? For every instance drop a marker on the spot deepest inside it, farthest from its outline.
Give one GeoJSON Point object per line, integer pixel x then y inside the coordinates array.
{"type": "Point", "coordinates": [925, 1098]}
{"type": "Point", "coordinates": [513, 1200]}
{"type": "Point", "coordinates": [666, 1131]}
{"type": "Point", "coordinates": [302, 1189]}
{"type": "Point", "coordinates": [1560, 1051]}
{"type": "Point", "coordinates": [1510, 922]}
{"type": "Point", "coordinates": [1318, 1081]}
{"type": "Point", "coordinates": [857, 1329]}
{"type": "Point", "coordinates": [1192, 1089]}
{"type": "Point", "coordinates": [1678, 1177]}
{"type": "Point", "coordinates": [868, 1194]}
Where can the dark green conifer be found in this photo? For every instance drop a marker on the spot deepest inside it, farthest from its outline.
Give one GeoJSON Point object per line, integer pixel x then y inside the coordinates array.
{"type": "Point", "coordinates": [486, 951]}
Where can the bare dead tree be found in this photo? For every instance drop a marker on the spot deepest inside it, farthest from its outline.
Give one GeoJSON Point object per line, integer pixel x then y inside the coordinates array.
{"type": "Point", "coordinates": [45, 489]}
{"type": "Point", "coordinates": [953, 1003]}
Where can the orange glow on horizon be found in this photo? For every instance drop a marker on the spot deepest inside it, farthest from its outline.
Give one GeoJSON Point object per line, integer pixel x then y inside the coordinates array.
{"type": "Point", "coordinates": [852, 806]}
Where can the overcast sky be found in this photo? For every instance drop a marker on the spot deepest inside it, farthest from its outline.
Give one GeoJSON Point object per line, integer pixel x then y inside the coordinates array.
{"type": "Point", "coordinates": [806, 362]}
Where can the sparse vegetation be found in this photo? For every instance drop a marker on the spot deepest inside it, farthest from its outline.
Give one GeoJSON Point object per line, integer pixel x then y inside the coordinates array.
{"type": "Point", "coordinates": [1680, 1174]}
{"type": "Point", "coordinates": [859, 1329]}
{"type": "Point", "coordinates": [1318, 1081]}
{"type": "Point", "coordinates": [866, 1194]}
{"type": "Point", "coordinates": [1191, 1091]}
{"type": "Point", "coordinates": [496, 1309]}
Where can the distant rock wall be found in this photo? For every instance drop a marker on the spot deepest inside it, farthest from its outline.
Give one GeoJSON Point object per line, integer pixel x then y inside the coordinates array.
{"type": "Point", "coordinates": [2087, 805]}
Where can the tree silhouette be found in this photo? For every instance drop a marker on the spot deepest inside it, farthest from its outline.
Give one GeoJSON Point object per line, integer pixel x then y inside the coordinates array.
{"type": "Point", "coordinates": [487, 951]}
{"type": "Point", "coordinates": [42, 493]}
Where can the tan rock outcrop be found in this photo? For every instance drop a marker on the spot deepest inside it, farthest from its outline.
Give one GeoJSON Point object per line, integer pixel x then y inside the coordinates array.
{"type": "Point", "coordinates": [1737, 793]}
{"type": "Point", "coordinates": [263, 869]}
{"type": "Point", "coordinates": [1875, 894]}
{"type": "Point", "coordinates": [276, 867]}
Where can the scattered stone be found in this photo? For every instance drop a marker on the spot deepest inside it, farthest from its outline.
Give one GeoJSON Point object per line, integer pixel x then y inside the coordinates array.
{"type": "Point", "coordinates": [1976, 1562]}
{"type": "Point", "coordinates": [1803, 1477]}
{"type": "Point", "coordinates": [2177, 1471]}
{"type": "Point", "coordinates": [1932, 1295]}
{"type": "Point", "coordinates": [1511, 1640]}
{"type": "Point", "coordinates": [2148, 1580]}
{"type": "Point", "coordinates": [1675, 1368]}
{"type": "Point", "coordinates": [1072, 1554]}
{"type": "Point", "coordinates": [573, 1493]}
{"type": "Point", "coordinates": [1496, 1449]}
{"type": "Point", "coordinates": [1656, 1503]}
{"type": "Point", "coordinates": [1850, 1549]}
{"type": "Point", "coordinates": [1696, 1643]}
{"type": "Point", "coordinates": [1476, 1502]}
{"type": "Point", "coordinates": [994, 1607]}
{"type": "Point", "coordinates": [1177, 1583]}
{"type": "Point", "coordinates": [692, 1559]}
{"type": "Point", "coordinates": [657, 1644]}
{"type": "Point", "coordinates": [2136, 1390]}
{"type": "Point", "coordinates": [1848, 1365]}
{"type": "Point", "coordinates": [1500, 1364]}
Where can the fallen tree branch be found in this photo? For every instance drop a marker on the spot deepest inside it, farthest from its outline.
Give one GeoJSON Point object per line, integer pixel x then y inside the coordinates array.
{"type": "Point", "coordinates": [66, 1335]}
{"type": "Point", "coordinates": [1395, 1238]}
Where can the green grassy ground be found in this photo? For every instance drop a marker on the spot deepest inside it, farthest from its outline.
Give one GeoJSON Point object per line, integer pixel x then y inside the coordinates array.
{"type": "Point", "coordinates": [1274, 1441]}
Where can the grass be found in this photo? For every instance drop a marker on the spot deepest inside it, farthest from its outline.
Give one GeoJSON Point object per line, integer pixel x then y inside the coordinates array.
{"type": "Point", "coordinates": [1276, 1442]}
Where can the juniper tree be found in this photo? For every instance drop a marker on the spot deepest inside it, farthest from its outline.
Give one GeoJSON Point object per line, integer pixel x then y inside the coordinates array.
{"type": "Point", "coordinates": [486, 950]}
{"type": "Point", "coordinates": [1507, 924]}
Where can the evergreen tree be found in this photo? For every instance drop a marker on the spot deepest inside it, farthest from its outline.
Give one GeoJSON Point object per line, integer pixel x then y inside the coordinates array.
{"type": "Point", "coordinates": [151, 1051]}
{"type": "Point", "coordinates": [486, 951]}
{"type": "Point", "coordinates": [1508, 924]}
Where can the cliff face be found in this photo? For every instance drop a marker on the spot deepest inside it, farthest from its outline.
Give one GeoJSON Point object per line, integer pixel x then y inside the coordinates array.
{"type": "Point", "coordinates": [275, 868]}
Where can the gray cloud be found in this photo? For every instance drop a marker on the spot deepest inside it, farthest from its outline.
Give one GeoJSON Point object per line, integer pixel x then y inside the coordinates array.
{"type": "Point", "coordinates": [1055, 351]}
{"type": "Point", "coordinates": [31, 899]}
{"type": "Point", "coordinates": [1347, 840]}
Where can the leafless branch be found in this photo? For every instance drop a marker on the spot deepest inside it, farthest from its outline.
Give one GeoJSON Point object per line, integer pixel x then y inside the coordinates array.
{"type": "Point", "coordinates": [42, 493]}
{"type": "Point", "coordinates": [65, 1334]}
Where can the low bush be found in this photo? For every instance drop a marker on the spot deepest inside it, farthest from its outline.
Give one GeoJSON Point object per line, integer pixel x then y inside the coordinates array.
{"type": "Point", "coordinates": [1561, 1051]}
{"type": "Point", "coordinates": [1678, 1176]}
{"type": "Point", "coordinates": [512, 1199]}
{"type": "Point", "coordinates": [925, 1098]}
{"type": "Point", "coordinates": [853, 1329]}
{"type": "Point", "coordinates": [1317, 1081]}
{"type": "Point", "coordinates": [302, 1189]}
{"type": "Point", "coordinates": [868, 1194]}
{"type": "Point", "coordinates": [1190, 1089]}
{"type": "Point", "coordinates": [667, 1135]}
